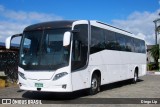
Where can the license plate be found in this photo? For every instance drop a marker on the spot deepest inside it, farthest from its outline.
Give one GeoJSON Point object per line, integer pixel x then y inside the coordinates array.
{"type": "Point", "coordinates": [38, 85]}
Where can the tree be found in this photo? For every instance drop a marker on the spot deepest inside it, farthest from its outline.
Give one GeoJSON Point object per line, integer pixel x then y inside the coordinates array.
{"type": "Point", "coordinates": [155, 53]}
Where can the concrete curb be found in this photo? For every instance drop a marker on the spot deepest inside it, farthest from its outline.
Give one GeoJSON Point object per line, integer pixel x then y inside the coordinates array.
{"type": "Point", "coordinates": [157, 73]}
{"type": "Point", "coordinates": [153, 73]}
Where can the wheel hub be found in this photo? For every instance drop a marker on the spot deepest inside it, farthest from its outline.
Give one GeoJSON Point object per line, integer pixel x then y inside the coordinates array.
{"type": "Point", "coordinates": [94, 84]}
{"type": "Point", "coordinates": [135, 77]}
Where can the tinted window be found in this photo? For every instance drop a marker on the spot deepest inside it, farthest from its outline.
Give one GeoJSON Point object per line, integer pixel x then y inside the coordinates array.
{"type": "Point", "coordinates": [129, 44]}
{"type": "Point", "coordinates": [110, 40]}
{"type": "Point", "coordinates": [143, 50]}
{"type": "Point", "coordinates": [102, 39]}
{"type": "Point", "coordinates": [137, 45]}
{"type": "Point", "coordinates": [97, 40]}
{"type": "Point", "coordinates": [120, 42]}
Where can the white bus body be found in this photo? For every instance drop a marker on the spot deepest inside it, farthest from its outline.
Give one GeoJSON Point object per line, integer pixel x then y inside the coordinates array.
{"type": "Point", "coordinates": [107, 63]}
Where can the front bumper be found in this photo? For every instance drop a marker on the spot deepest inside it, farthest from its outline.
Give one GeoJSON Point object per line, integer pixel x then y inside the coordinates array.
{"type": "Point", "coordinates": [61, 85]}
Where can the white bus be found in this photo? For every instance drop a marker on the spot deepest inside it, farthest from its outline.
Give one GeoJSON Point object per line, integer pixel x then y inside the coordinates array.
{"type": "Point", "coordinates": [65, 56]}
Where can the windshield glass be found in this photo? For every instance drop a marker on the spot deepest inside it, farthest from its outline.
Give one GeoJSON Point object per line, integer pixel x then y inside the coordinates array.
{"type": "Point", "coordinates": [43, 50]}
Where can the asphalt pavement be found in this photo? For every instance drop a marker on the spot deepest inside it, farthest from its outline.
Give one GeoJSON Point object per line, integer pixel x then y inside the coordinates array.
{"type": "Point", "coordinates": [147, 87]}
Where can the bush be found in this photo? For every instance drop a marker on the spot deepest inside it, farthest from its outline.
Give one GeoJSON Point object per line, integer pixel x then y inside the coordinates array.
{"type": "Point", "coordinates": [152, 66]}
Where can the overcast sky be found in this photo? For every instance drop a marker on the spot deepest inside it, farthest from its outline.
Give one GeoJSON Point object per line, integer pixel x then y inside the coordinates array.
{"type": "Point", "coordinates": [135, 16]}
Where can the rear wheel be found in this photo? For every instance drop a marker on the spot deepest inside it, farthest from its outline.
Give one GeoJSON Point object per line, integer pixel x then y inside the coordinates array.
{"type": "Point", "coordinates": [135, 77]}
{"type": "Point", "coordinates": [95, 85]}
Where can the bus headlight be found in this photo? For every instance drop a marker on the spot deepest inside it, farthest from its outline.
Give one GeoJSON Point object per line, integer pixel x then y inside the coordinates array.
{"type": "Point", "coordinates": [57, 76]}
{"type": "Point", "coordinates": [22, 75]}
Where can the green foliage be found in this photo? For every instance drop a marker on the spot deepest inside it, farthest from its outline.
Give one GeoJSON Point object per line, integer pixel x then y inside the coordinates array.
{"type": "Point", "coordinates": [155, 53]}
{"type": "Point", "coordinates": [151, 66]}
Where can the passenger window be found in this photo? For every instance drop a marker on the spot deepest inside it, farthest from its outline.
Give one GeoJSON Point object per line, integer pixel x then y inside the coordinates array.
{"type": "Point", "coordinates": [120, 42]}
{"type": "Point", "coordinates": [129, 44]}
{"type": "Point", "coordinates": [97, 40]}
{"type": "Point", "coordinates": [137, 46]}
{"type": "Point", "coordinates": [143, 50]}
{"type": "Point", "coordinates": [110, 40]}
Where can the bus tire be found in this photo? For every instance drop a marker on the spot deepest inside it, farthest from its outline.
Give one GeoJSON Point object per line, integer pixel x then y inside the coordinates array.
{"type": "Point", "coordinates": [135, 78]}
{"type": "Point", "coordinates": [95, 85]}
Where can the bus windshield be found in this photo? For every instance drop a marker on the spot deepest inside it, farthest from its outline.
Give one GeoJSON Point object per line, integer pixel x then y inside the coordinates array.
{"type": "Point", "coordinates": [43, 50]}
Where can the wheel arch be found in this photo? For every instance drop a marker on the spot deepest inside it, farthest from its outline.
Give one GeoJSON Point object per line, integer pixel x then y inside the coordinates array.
{"type": "Point", "coordinates": [136, 70]}
{"type": "Point", "coordinates": [96, 71]}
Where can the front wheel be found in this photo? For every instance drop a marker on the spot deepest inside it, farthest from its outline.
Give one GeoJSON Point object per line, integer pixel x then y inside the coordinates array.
{"type": "Point", "coordinates": [95, 85]}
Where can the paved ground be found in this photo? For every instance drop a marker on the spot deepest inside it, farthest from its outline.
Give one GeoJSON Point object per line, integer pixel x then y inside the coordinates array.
{"type": "Point", "coordinates": [147, 87]}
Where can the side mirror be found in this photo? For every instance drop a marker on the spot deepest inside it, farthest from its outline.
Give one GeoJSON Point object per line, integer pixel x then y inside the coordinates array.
{"type": "Point", "coordinates": [8, 40]}
{"type": "Point", "coordinates": [66, 38]}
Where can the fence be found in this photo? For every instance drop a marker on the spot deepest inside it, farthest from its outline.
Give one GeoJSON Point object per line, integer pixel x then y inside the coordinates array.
{"type": "Point", "coordinates": [9, 64]}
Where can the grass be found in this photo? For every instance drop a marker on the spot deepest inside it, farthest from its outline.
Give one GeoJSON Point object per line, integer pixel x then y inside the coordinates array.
{"type": "Point", "coordinates": [10, 83]}
{"type": "Point", "coordinates": [5, 84]}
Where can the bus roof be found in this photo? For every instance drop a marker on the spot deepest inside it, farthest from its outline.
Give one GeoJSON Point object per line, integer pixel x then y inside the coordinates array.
{"type": "Point", "coordinates": [68, 24]}
{"type": "Point", "coordinates": [50, 25]}
{"type": "Point", "coordinates": [113, 27]}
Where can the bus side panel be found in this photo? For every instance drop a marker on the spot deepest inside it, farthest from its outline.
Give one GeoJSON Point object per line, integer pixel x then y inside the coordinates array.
{"type": "Point", "coordinates": [117, 65]}
{"type": "Point", "coordinates": [109, 63]}
{"type": "Point", "coordinates": [131, 61]}
{"type": "Point", "coordinates": [80, 79]}
{"type": "Point", "coordinates": [113, 64]}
